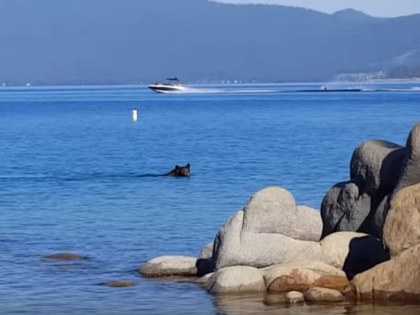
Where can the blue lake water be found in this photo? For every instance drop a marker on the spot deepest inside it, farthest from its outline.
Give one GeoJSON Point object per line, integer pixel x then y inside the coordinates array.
{"type": "Point", "coordinates": [68, 164]}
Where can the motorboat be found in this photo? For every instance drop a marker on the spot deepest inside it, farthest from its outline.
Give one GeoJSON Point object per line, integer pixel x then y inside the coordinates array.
{"type": "Point", "coordinates": [172, 85]}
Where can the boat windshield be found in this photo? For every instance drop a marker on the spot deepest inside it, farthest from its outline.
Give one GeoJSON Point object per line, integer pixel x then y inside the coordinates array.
{"type": "Point", "coordinates": [173, 81]}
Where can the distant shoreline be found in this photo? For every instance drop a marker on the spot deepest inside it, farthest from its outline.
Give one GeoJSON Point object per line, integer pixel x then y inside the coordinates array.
{"type": "Point", "coordinates": [142, 84]}
{"type": "Point", "coordinates": [396, 80]}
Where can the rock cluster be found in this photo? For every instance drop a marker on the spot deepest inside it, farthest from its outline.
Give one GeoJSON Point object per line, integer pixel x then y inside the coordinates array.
{"type": "Point", "coordinates": [264, 248]}
{"type": "Point", "coordinates": [378, 170]}
{"type": "Point", "coordinates": [363, 244]}
{"type": "Point", "coordinates": [360, 204]}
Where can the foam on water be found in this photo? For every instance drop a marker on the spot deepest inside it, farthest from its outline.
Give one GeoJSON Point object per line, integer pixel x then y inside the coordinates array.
{"type": "Point", "coordinates": [189, 90]}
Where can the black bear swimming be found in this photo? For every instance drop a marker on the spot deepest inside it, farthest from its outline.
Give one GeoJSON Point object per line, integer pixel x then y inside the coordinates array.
{"type": "Point", "coordinates": [178, 171]}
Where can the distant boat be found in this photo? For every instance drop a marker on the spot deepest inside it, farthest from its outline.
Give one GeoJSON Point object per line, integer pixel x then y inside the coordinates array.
{"type": "Point", "coordinates": [172, 85]}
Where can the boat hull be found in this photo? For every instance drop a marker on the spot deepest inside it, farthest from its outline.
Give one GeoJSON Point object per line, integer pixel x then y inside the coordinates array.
{"type": "Point", "coordinates": [162, 88]}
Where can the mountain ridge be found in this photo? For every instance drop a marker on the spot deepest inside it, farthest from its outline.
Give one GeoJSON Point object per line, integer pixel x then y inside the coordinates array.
{"type": "Point", "coordinates": [129, 41]}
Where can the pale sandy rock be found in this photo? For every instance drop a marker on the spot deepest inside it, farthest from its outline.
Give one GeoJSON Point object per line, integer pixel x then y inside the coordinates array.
{"type": "Point", "coordinates": [298, 276]}
{"type": "Point", "coordinates": [236, 279]}
{"type": "Point", "coordinates": [167, 266]}
{"type": "Point", "coordinates": [294, 297]}
{"type": "Point", "coordinates": [402, 226]}
{"type": "Point", "coordinates": [352, 252]}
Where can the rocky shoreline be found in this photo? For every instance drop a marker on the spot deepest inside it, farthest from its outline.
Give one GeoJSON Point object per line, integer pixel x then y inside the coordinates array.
{"type": "Point", "coordinates": [362, 245]}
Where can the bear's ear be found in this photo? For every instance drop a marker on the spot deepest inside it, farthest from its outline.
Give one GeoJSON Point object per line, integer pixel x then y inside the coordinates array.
{"type": "Point", "coordinates": [188, 165]}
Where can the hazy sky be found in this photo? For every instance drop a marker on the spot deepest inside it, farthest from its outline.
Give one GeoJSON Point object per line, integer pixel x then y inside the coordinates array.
{"type": "Point", "coordinates": [373, 7]}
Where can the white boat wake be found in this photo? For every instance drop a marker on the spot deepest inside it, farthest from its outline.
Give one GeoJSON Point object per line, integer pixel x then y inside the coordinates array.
{"type": "Point", "coordinates": [192, 90]}
{"type": "Point", "coordinates": [174, 86]}
{"type": "Point", "coordinates": [412, 89]}
{"type": "Point", "coordinates": [188, 90]}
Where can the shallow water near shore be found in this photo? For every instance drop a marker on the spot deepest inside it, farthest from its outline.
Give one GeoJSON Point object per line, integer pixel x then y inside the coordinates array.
{"type": "Point", "coordinates": [69, 162]}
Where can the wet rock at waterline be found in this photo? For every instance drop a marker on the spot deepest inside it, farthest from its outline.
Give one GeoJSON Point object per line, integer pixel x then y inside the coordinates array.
{"type": "Point", "coordinates": [294, 297]}
{"type": "Point", "coordinates": [323, 295]}
{"type": "Point", "coordinates": [274, 299]}
{"type": "Point", "coordinates": [64, 256]}
{"type": "Point", "coordinates": [204, 280]}
{"type": "Point", "coordinates": [120, 284]}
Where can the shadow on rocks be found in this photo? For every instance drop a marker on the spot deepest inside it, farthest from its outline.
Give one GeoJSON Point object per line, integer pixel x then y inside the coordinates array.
{"type": "Point", "coordinates": [364, 254]}
{"type": "Point", "coordinates": [205, 266]}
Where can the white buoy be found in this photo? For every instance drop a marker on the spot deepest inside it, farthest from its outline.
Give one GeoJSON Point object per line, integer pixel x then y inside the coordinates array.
{"type": "Point", "coordinates": [134, 115]}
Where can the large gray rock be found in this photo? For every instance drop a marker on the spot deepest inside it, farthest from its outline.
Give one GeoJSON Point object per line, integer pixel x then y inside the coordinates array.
{"type": "Point", "coordinates": [206, 252]}
{"type": "Point", "coordinates": [345, 208]}
{"type": "Point", "coordinates": [331, 210]}
{"type": "Point", "coordinates": [270, 230]}
{"type": "Point", "coordinates": [376, 165]}
{"type": "Point", "coordinates": [410, 174]}
{"type": "Point", "coordinates": [236, 279]}
{"type": "Point", "coordinates": [360, 204]}
{"type": "Point", "coordinates": [273, 210]}
{"type": "Point", "coordinates": [235, 246]}
{"type": "Point", "coordinates": [170, 266]}
{"type": "Point", "coordinates": [401, 230]}
{"type": "Point", "coordinates": [309, 221]}
{"type": "Point", "coordinates": [379, 217]}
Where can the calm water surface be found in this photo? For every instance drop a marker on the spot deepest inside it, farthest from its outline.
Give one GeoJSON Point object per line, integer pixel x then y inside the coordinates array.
{"type": "Point", "coordinates": [68, 164]}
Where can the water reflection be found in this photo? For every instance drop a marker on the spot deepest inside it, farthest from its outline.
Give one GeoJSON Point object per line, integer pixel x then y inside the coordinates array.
{"type": "Point", "coordinates": [254, 304]}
